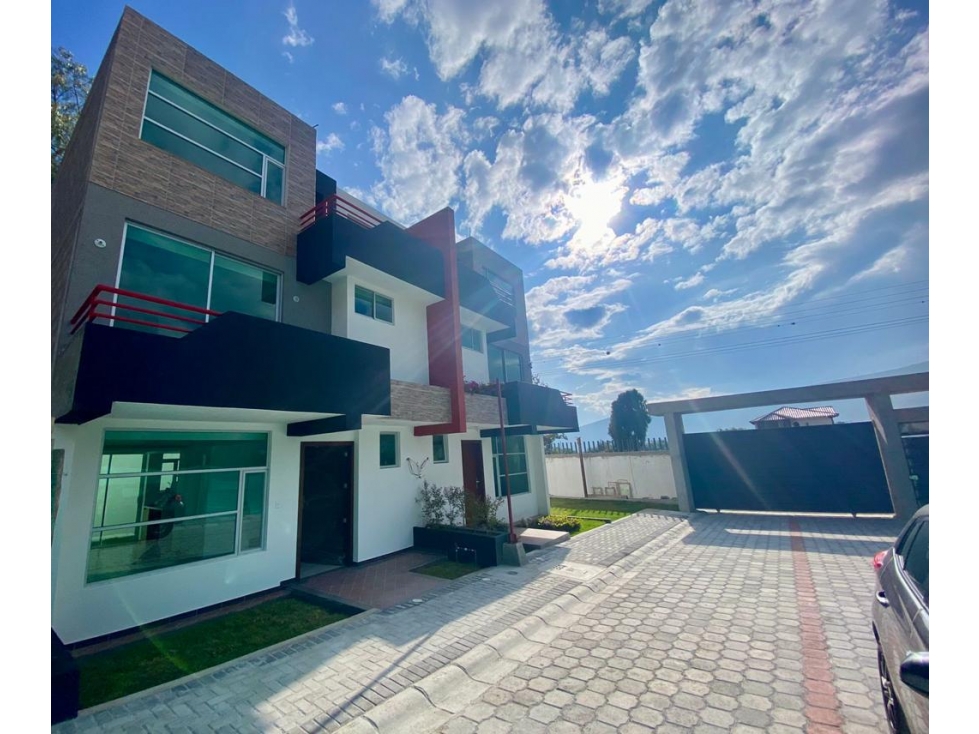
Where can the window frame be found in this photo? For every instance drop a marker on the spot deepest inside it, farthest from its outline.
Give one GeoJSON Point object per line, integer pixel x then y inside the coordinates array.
{"type": "Point", "coordinates": [445, 449]}
{"type": "Point", "coordinates": [397, 450]}
{"type": "Point", "coordinates": [242, 471]}
{"type": "Point", "coordinates": [266, 158]}
{"type": "Point", "coordinates": [210, 275]}
{"type": "Point", "coordinates": [498, 473]}
{"type": "Point", "coordinates": [472, 330]}
{"type": "Point", "coordinates": [503, 363]}
{"type": "Point", "coordinates": [373, 314]}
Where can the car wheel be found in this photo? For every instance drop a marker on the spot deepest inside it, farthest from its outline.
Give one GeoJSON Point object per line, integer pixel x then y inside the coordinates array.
{"type": "Point", "coordinates": [896, 722]}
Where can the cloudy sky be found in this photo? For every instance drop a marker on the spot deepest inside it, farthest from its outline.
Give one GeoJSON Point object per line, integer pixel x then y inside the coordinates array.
{"type": "Point", "coordinates": [705, 197]}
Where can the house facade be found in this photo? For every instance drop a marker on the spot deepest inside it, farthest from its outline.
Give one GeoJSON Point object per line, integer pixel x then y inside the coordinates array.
{"type": "Point", "coordinates": [790, 417]}
{"type": "Point", "coordinates": [244, 356]}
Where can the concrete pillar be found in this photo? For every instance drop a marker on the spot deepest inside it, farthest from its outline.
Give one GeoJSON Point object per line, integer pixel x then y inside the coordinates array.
{"type": "Point", "coordinates": [678, 460]}
{"type": "Point", "coordinates": [892, 455]}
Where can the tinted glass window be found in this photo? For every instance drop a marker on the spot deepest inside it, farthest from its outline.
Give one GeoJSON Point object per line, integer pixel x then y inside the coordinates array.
{"type": "Point", "coordinates": [916, 559]}
{"type": "Point", "coordinates": [389, 449]}
{"type": "Point", "coordinates": [438, 450]}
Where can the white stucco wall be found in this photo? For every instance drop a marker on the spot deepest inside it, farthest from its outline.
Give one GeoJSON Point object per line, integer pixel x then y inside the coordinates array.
{"type": "Point", "coordinates": [407, 337]}
{"type": "Point", "coordinates": [649, 474]}
{"type": "Point", "coordinates": [81, 611]}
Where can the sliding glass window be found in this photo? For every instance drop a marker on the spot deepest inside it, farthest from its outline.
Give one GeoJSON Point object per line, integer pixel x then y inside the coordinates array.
{"type": "Point", "coordinates": [168, 498]}
{"type": "Point", "coordinates": [516, 463]}
{"type": "Point", "coordinates": [180, 122]}
{"type": "Point", "coordinates": [157, 265]}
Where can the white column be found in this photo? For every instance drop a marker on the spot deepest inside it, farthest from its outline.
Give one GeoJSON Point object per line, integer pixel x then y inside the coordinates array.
{"type": "Point", "coordinates": [678, 459]}
{"type": "Point", "coordinates": [892, 455]}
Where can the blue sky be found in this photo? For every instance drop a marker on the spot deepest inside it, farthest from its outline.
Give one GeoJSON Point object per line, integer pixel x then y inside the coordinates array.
{"type": "Point", "coordinates": [705, 198]}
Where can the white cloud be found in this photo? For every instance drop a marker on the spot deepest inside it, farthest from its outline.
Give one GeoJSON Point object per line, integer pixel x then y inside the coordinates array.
{"type": "Point", "coordinates": [419, 155]}
{"type": "Point", "coordinates": [691, 282]}
{"type": "Point", "coordinates": [340, 108]}
{"type": "Point", "coordinates": [523, 57]}
{"type": "Point", "coordinates": [331, 143]}
{"type": "Point", "coordinates": [394, 68]}
{"type": "Point", "coordinates": [288, 56]}
{"type": "Point", "coordinates": [571, 309]}
{"type": "Point", "coordinates": [296, 37]}
{"type": "Point", "coordinates": [388, 10]}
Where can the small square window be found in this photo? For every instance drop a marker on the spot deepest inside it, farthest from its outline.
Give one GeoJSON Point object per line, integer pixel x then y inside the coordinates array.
{"type": "Point", "coordinates": [389, 450]}
{"type": "Point", "coordinates": [374, 305]}
{"type": "Point", "coordinates": [440, 450]}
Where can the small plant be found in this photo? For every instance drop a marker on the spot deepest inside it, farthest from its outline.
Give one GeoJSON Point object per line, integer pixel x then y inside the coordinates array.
{"type": "Point", "coordinates": [455, 505]}
{"type": "Point", "coordinates": [432, 499]}
{"type": "Point", "coordinates": [479, 388]}
{"type": "Point", "coordinates": [564, 523]}
{"type": "Point", "coordinates": [482, 512]}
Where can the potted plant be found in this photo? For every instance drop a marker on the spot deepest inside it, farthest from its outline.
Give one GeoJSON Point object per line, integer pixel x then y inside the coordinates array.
{"type": "Point", "coordinates": [443, 511]}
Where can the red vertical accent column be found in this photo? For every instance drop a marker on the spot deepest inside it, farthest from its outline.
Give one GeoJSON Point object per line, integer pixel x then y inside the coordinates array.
{"type": "Point", "coordinates": [444, 329]}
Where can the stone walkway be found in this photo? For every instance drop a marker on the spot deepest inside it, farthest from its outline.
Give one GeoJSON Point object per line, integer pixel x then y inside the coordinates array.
{"type": "Point", "coordinates": [651, 621]}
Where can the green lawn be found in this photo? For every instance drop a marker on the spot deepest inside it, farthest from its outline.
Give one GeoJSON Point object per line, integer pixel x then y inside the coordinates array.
{"type": "Point", "coordinates": [446, 569]}
{"type": "Point", "coordinates": [171, 655]}
{"type": "Point", "coordinates": [604, 509]}
{"type": "Point", "coordinates": [588, 524]}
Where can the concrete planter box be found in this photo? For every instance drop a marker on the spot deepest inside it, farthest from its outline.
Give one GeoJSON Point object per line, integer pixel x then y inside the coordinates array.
{"type": "Point", "coordinates": [463, 544]}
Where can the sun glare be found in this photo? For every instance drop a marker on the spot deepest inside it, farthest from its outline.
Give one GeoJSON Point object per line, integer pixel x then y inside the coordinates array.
{"type": "Point", "coordinates": [593, 204]}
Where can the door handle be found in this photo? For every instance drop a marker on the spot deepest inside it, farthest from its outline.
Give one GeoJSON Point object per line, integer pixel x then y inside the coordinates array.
{"type": "Point", "coordinates": [882, 599]}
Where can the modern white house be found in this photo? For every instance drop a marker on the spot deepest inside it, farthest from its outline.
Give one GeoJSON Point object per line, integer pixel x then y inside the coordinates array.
{"type": "Point", "coordinates": [244, 356]}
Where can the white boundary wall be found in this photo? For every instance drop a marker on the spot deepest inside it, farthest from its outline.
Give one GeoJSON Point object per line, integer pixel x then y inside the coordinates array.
{"type": "Point", "coordinates": [649, 474]}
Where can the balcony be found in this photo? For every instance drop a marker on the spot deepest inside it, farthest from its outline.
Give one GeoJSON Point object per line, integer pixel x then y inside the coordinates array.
{"type": "Point", "coordinates": [336, 229]}
{"type": "Point", "coordinates": [535, 409]}
{"type": "Point", "coordinates": [478, 294]}
{"type": "Point", "coordinates": [126, 352]}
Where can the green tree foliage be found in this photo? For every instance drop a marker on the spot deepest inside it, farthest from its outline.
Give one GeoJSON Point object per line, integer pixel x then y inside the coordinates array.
{"type": "Point", "coordinates": [69, 88]}
{"type": "Point", "coordinates": [629, 421]}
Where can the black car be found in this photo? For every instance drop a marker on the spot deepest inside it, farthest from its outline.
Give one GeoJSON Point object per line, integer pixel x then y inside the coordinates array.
{"type": "Point", "coordinates": [900, 614]}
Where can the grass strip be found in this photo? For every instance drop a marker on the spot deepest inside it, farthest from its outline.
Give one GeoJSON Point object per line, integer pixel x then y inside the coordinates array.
{"type": "Point", "coordinates": [170, 655]}
{"type": "Point", "coordinates": [446, 569]}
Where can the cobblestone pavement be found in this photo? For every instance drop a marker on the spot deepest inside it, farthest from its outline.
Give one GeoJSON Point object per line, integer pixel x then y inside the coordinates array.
{"type": "Point", "coordinates": [748, 624]}
{"type": "Point", "coordinates": [737, 623]}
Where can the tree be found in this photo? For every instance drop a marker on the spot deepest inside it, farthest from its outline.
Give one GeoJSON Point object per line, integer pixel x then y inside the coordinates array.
{"type": "Point", "coordinates": [69, 88]}
{"type": "Point", "coordinates": [629, 421]}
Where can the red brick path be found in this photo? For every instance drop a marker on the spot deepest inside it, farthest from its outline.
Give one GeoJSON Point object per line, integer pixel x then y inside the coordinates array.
{"type": "Point", "coordinates": [822, 706]}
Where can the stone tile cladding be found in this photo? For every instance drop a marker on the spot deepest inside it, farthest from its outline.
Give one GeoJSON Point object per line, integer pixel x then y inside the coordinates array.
{"type": "Point", "coordinates": [68, 196]}
{"type": "Point", "coordinates": [126, 164]}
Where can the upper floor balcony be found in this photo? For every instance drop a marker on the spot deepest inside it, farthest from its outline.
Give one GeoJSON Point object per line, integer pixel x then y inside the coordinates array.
{"type": "Point", "coordinates": [337, 228]}
{"type": "Point", "coordinates": [123, 351]}
{"type": "Point", "coordinates": [480, 296]}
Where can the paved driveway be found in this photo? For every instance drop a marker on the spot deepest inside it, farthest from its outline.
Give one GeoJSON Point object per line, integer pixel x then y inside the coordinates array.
{"type": "Point", "coordinates": [722, 623]}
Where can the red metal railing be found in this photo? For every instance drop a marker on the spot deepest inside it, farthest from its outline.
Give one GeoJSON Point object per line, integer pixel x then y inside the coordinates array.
{"type": "Point", "coordinates": [89, 312]}
{"type": "Point", "coordinates": [336, 204]}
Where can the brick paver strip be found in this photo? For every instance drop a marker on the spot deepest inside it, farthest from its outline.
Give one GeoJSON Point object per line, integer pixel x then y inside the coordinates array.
{"type": "Point", "coordinates": [823, 708]}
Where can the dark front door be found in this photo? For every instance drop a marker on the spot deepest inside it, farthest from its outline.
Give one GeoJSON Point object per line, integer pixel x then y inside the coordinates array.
{"type": "Point", "coordinates": [472, 471]}
{"type": "Point", "coordinates": [326, 504]}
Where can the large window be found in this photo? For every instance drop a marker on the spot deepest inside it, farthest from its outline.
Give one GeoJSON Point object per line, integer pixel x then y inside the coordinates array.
{"type": "Point", "coordinates": [504, 365]}
{"type": "Point", "coordinates": [516, 454]}
{"type": "Point", "coordinates": [374, 305]}
{"type": "Point", "coordinates": [162, 266]}
{"type": "Point", "coordinates": [182, 123]}
{"type": "Point", "coordinates": [167, 498]}
{"type": "Point", "coordinates": [472, 339]}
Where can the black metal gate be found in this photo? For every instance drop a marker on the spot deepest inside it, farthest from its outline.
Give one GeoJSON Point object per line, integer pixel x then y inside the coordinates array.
{"type": "Point", "coordinates": [804, 469]}
{"type": "Point", "coordinates": [916, 449]}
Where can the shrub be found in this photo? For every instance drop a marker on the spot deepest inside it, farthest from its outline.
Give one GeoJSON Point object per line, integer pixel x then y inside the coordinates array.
{"type": "Point", "coordinates": [433, 502]}
{"type": "Point", "coordinates": [455, 505]}
{"type": "Point", "coordinates": [483, 512]}
{"type": "Point", "coordinates": [564, 523]}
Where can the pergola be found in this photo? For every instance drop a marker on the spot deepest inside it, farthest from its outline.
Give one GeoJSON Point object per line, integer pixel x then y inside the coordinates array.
{"type": "Point", "coordinates": [876, 392]}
